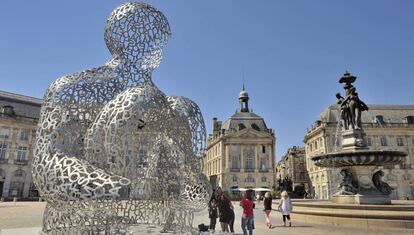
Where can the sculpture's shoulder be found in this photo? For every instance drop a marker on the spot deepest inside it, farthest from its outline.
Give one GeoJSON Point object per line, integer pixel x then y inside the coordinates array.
{"type": "Point", "coordinates": [182, 104]}
{"type": "Point", "coordinates": [75, 83]}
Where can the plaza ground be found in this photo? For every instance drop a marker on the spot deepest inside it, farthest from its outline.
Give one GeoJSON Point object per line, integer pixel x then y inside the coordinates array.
{"type": "Point", "coordinates": [25, 218]}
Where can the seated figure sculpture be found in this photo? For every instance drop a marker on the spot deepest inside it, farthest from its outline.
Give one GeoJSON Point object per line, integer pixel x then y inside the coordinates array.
{"type": "Point", "coordinates": [112, 150]}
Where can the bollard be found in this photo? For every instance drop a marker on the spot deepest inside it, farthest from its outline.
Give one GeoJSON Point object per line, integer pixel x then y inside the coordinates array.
{"type": "Point", "coordinates": [40, 199]}
{"type": "Point", "coordinates": [2, 199]}
{"type": "Point", "coordinates": [15, 200]}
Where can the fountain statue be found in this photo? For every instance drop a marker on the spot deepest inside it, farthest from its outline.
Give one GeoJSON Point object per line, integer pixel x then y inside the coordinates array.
{"type": "Point", "coordinates": [112, 150]}
{"type": "Point", "coordinates": [361, 180]}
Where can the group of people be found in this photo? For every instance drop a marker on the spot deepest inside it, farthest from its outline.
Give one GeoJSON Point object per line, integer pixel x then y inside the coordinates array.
{"type": "Point", "coordinates": [222, 208]}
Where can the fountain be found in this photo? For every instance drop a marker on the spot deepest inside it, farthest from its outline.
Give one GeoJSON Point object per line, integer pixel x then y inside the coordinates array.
{"type": "Point", "coordinates": [363, 198]}
{"type": "Point", "coordinates": [361, 180]}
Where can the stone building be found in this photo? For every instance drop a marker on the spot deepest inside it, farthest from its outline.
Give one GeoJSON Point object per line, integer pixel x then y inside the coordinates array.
{"type": "Point", "coordinates": [388, 127]}
{"type": "Point", "coordinates": [241, 151]}
{"type": "Point", "coordinates": [291, 170]}
{"type": "Point", "coordinates": [18, 122]}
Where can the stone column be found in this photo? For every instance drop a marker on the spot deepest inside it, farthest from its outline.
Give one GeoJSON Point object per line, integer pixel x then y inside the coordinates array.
{"type": "Point", "coordinates": [256, 159]}
{"type": "Point", "coordinates": [227, 158]}
{"type": "Point", "coordinates": [241, 158]}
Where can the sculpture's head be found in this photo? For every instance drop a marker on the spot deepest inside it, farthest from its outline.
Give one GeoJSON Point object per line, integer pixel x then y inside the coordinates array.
{"type": "Point", "coordinates": [136, 32]}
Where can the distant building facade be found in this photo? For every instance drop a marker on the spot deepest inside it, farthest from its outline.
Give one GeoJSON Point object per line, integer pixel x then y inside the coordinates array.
{"type": "Point", "coordinates": [291, 172]}
{"type": "Point", "coordinates": [241, 151]}
{"type": "Point", "coordinates": [388, 127]}
{"type": "Point", "coordinates": [18, 122]}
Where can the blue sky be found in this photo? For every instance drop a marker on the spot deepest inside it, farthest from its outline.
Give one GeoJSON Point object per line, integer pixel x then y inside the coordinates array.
{"type": "Point", "coordinates": [292, 53]}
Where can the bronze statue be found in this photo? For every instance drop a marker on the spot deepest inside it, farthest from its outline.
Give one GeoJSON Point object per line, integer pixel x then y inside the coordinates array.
{"type": "Point", "coordinates": [350, 106]}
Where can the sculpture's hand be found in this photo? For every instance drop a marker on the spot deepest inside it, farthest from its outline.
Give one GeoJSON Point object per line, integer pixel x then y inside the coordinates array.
{"type": "Point", "coordinates": [70, 178]}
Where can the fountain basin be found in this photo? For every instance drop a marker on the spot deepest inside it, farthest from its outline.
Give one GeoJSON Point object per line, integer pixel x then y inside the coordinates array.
{"type": "Point", "coordinates": [360, 158]}
{"type": "Point", "coordinates": [399, 214]}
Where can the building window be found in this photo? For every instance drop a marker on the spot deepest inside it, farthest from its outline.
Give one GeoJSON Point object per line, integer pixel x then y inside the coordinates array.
{"type": "Point", "coordinates": [19, 173]}
{"type": "Point", "coordinates": [384, 141]}
{"type": "Point", "coordinates": [410, 119]}
{"type": "Point", "coordinates": [264, 179]}
{"type": "Point", "coordinates": [4, 134]}
{"type": "Point", "coordinates": [8, 110]}
{"type": "Point", "coordinates": [234, 157]}
{"type": "Point", "coordinates": [255, 127]}
{"type": "Point", "coordinates": [249, 179]}
{"type": "Point", "coordinates": [16, 189]}
{"type": "Point", "coordinates": [249, 158]}
{"type": "Point", "coordinates": [379, 119]}
{"type": "Point", "coordinates": [24, 135]}
{"type": "Point", "coordinates": [21, 153]}
{"type": "Point", "coordinates": [263, 164]}
{"type": "Point", "coordinates": [3, 150]}
{"type": "Point", "coordinates": [400, 141]}
{"type": "Point", "coordinates": [369, 142]}
{"type": "Point", "coordinates": [241, 126]}
{"type": "Point", "coordinates": [263, 149]}
{"type": "Point", "coordinates": [235, 178]}
{"type": "Point", "coordinates": [316, 145]}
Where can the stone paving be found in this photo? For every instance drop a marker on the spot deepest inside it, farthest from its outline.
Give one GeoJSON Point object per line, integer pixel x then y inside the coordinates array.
{"type": "Point", "coordinates": [24, 218]}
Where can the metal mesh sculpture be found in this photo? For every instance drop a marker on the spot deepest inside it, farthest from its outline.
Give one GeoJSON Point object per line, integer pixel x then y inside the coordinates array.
{"type": "Point", "coordinates": [113, 150]}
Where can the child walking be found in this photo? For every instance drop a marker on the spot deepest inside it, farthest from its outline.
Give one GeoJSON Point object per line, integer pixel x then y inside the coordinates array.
{"type": "Point", "coordinates": [212, 214]}
{"type": "Point", "coordinates": [267, 208]}
{"type": "Point", "coordinates": [285, 206]}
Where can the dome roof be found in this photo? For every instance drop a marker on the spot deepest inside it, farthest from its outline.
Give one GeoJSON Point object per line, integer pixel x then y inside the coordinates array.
{"type": "Point", "coordinates": [243, 120]}
{"type": "Point", "coordinates": [243, 94]}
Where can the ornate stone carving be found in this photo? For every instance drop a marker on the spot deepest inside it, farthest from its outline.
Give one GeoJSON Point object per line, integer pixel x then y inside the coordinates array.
{"type": "Point", "coordinates": [382, 186]}
{"type": "Point", "coordinates": [347, 185]}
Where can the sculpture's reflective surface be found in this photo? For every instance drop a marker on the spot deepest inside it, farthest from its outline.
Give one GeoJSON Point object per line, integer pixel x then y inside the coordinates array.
{"type": "Point", "coordinates": [112, 149]}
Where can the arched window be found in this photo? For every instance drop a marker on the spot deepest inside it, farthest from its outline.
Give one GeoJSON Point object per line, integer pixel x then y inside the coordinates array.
{"type": "Point", "coordinates": [235, 178]}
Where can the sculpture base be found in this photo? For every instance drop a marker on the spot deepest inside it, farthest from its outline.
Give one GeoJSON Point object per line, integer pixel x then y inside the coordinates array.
{"type": "Point", "coordinates": [353, 140]}
{"type": "Point", "coordinates": [360, 199]}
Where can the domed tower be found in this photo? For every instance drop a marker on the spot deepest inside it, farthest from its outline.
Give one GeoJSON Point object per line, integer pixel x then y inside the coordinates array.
{"type": "Point", "coordinates": [244, 100]}
{"type": "Point", "coordinates": [241, 151]}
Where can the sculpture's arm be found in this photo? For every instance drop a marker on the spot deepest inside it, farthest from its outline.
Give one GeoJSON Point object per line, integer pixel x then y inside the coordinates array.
{"type": "Point", "coordinates": [60, 176]}
{"type": "Point", "coordinates": [190, 111]}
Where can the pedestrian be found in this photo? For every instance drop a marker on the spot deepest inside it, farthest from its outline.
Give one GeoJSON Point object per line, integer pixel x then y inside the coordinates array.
{"type": "Point", "coordinates": [285, 206]}
{"type": "Point", "coordinates": [213, 214]}
{"type": "Point", "coordinates": [225, 208]}
{"type": "Point", "coordinates": [247, 216]}
{"type": "Point", "coordinates": [267, 208]}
